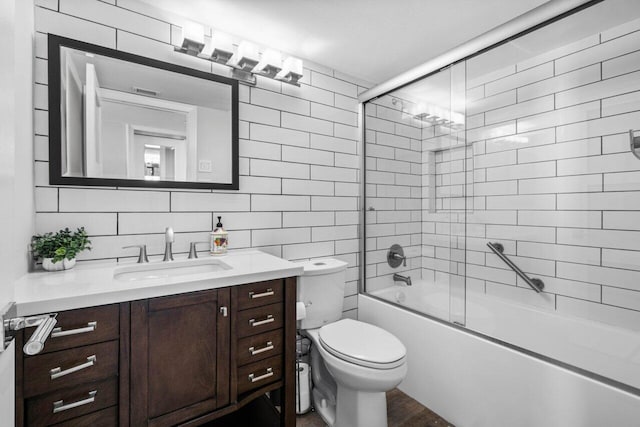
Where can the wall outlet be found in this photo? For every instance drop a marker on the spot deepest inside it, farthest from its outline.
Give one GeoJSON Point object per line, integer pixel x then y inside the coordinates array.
{"type": "Point", "coordinates": [204, 165]}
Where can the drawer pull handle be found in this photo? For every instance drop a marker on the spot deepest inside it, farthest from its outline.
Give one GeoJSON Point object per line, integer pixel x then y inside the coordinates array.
{"type": "Point", "coordinates": [58, 332]}
{"type": "Point", "coordinates": [57, 372]}
{"type": "Point", "coordinates": [268, 293]}
{"type": "Point", "coordinates": [268, 347]}
{"type": "Point", "coordinates": [269, 319]}
{"type": "Point", "coordinates": [254, 379]}
{"type": "Point", "coordinates": [59, 405]}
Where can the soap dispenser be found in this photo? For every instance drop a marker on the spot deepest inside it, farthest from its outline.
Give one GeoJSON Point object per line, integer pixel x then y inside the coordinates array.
{"type": "Point", "coordinates": [219, 239]}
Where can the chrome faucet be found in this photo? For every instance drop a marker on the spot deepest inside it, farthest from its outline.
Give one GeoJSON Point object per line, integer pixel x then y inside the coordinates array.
{"type": "Point", "coordinates": [168, 241]}
{"type": "Point", "coordinates": [399, 278]}
{"type": "Point", "coordinates": [142, 256]}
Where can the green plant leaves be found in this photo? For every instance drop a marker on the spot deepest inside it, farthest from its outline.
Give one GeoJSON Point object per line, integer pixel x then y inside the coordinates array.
{"type": "Point", "coordinates": [61, 245]}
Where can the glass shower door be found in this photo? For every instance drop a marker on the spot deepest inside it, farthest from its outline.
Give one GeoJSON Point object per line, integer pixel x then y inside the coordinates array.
{"type": "Point", "coordinates": [555, 184]}
{"type": "Point", "coordinates": [416, 162]}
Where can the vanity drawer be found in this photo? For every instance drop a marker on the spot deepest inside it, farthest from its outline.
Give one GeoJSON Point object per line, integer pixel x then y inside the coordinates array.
{"type": "Point", "coordinates": [63, 405]}
{"type": "Point", "coordinates": [258, 320]}
{"type": "Point", "coordinates": [103, 418]}
{"type": "Point", "coordinates": [84, 326]}
{"type": "Point", "coordinates": [258, 347]}
{"type": "Point", "coordinates": [259, 374]}
{"type": "Point", "coordinates": [76, 366]}
{"type": "Point", "coordinates": [259, 294]}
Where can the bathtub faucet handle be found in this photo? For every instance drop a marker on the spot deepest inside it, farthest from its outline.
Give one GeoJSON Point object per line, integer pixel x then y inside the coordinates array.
{"type": "Point", "coordinates": [396, 256]}
{"type": "Point", "coordinates": [400, 257]}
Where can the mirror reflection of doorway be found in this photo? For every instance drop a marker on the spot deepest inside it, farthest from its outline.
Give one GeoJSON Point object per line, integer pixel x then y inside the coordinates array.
{"type": "Point", "coordinates": [159, 162]}
{"type": "Point", "coordinates": [157, 155]}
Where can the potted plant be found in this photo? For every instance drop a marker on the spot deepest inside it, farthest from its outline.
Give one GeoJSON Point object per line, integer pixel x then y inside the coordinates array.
{"type": "Point", "coordinates": [58, 251]}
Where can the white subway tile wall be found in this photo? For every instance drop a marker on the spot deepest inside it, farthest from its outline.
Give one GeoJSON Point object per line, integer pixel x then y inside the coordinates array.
{"type": "Point", "coordinates": [394, 189]}
{"type": "Point", "coordinates": [298, 194]}
{"type": "Point", "coordinates": [559, 187]}
{"type": "Point", "coordinates": [544, 168]}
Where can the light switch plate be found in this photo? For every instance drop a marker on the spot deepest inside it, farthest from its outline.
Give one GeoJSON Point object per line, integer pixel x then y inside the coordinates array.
{"type": "Point", "coordinates": [204, 165]}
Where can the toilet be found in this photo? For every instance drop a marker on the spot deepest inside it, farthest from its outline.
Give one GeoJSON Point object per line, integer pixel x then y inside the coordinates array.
{"type": "Point", "coordinates": [353, 363]}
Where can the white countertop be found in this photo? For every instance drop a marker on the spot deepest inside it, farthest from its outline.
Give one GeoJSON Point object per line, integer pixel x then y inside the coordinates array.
{"type": "Point", "coordinates": [92, 285]}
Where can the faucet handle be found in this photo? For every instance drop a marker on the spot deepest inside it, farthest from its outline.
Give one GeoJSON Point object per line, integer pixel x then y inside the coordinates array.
{"type": "Point", "coordinates": [169, 235]}
{"type": "Point", "coordinates": [142, 256]}
{"type": "Point", "coordinates": [192, 249]}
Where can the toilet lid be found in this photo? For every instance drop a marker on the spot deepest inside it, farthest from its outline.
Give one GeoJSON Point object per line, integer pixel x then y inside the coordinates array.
{"type": "Point", "coordinates": [362, 344]}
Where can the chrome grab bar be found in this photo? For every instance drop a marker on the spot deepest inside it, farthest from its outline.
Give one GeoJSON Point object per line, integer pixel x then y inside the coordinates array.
{"type": "Point", "coordinates": [535, 283]}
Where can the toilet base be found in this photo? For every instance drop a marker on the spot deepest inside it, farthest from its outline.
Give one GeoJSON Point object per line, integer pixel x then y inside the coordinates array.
{"type": "Point", "coordinates": [360, 409]}
{"type": "Point", "coordinates": [354, 408]}
{"type": "Point", "coordinates": [324, 408]}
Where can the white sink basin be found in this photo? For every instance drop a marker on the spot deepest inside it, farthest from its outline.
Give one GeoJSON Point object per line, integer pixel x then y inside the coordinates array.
{"type": "Point", "coordinates": [162, 270]}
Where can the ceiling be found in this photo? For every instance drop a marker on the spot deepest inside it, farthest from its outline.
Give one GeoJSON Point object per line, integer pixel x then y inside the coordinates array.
{"type": "Point", "coordinates": [373, 40]}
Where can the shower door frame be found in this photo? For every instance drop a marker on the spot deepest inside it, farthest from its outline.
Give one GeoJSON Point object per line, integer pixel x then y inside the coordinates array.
{"type": "Point", "coordinates": [531, 21]}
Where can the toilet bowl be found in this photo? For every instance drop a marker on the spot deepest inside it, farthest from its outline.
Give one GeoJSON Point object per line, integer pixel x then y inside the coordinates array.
{"type": "Point", "coordinates": [353, 363]}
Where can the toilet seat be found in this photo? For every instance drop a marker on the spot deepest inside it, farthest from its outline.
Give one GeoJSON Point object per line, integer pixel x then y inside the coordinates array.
{"type": "Point", "coordinates": [362, 344]}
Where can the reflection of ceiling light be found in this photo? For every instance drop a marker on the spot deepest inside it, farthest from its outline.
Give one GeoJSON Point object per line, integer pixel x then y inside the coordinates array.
{"type": "Point", "coordinates": [246, 60]}
{"type": "Point", "coordinates": [151, 146]}
{"type": "Point", "coordinates": [437, 116]}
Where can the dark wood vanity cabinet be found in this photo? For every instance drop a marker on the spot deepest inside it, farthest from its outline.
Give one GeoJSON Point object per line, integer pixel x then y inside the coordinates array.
{"type": "Point", "coordinates": [186, 359]}
{"type": "Point", "coordinates": [76, 379]}
{"type": "Point", "coordinates": [179, 357]}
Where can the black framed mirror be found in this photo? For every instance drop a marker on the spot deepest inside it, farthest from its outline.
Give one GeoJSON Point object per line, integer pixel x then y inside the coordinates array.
{"type": "Point", "coordinates": [119, 119]}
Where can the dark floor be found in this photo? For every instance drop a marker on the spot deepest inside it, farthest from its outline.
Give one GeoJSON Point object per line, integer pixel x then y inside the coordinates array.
{"type": "Point", "coordinates": [402, 411]}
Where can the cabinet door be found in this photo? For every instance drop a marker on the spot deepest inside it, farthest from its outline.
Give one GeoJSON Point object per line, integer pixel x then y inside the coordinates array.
{"type": "Point", "coordinates": [179, 357]}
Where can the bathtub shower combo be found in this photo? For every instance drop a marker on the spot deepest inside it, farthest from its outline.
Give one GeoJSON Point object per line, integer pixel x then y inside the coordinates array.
{"type": "Point", "coordinates": [502, 222]}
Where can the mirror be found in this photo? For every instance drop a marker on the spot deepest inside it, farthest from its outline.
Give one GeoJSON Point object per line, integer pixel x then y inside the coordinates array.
{"type": "Point", "coordinates": [118, 119]}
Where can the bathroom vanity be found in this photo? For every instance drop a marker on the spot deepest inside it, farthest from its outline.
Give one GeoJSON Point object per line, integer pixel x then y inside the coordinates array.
{"type": "Point", "coordinates": [182, 348]}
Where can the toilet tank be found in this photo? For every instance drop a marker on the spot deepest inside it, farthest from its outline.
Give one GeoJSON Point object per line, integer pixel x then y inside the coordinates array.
{"type": "Point", "coordinates": [321, 289]}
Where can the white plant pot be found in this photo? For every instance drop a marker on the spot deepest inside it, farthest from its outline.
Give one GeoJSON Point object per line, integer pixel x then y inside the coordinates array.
{"type": "Point", "coordinates": [65, 264]}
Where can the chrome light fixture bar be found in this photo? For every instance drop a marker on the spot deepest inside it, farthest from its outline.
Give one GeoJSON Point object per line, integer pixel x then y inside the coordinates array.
{"type": "Point", "coordinates": [245, 63]}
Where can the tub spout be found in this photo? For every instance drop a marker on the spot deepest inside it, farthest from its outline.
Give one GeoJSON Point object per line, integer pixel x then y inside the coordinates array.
{"type": "Point", "coordinates": [399, 278]}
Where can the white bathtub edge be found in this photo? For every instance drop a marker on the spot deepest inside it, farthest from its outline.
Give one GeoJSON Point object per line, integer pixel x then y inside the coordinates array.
{"type": "Point", "coordinates": [471, 381]}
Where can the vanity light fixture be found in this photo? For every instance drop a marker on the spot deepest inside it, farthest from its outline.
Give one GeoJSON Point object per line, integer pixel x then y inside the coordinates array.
{"type": "Point", "coordinates": [291, 71]}
{"type": "Point", "coordinates": [270, 64]}
{"type": "Point", "coordinates": [246, 62]}
{"type": "Point", "coordinates": [222, 48]}
{"type": "Point", "coordinates": [246, 58]}
{"type": "Point", "coordinates": [192, 38]}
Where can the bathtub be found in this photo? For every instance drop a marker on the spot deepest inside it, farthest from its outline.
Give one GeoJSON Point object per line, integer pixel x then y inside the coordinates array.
{"type": "Point", "coordinates": [554, 371]}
